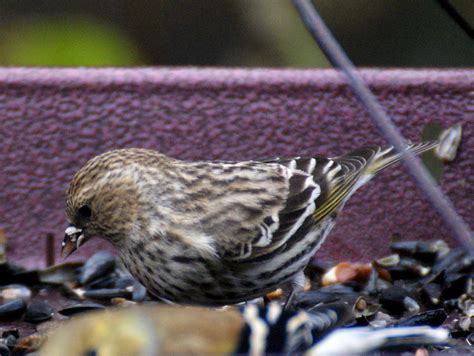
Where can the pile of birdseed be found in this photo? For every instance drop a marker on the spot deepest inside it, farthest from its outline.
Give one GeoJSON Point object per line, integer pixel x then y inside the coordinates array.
{"type": "Point", "coordinates": [420, 283]}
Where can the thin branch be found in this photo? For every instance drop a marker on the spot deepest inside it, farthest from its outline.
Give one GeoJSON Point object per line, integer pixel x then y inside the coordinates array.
{"type": "Point", "coordinates": [339, 59]}
{"type": "Point", "coordinates": [457, 17]}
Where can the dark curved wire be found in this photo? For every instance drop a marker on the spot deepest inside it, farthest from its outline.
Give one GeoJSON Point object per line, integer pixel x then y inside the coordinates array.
{"type": "Point", "coordinates": [457, 17]}
{"type": "Point", "coordinates": [336, 55]}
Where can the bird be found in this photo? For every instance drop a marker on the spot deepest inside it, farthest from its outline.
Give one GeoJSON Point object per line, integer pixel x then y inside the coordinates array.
{"type": "Point", "coordinates": [249, 330]}
{"type": "Point", "coordinates": [216, 233]}
{"type": "Point", "coordinates": [147, 330]}
{"type": "Point", "coordinates": [171, 329]}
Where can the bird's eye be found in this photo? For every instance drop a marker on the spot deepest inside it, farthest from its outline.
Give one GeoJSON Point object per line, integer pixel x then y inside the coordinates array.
{"type": "Point", "coordinates": [85, 212]}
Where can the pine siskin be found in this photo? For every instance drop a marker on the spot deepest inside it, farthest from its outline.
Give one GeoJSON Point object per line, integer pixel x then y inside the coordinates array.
{"type": "Point", "coordinates": [170, 330]}
{"type": "Point", "coordinates": [215, 233]}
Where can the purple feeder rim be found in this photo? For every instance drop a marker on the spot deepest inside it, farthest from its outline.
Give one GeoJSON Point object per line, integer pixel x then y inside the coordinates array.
{"type": "Point", "coordinates": [54, 120]}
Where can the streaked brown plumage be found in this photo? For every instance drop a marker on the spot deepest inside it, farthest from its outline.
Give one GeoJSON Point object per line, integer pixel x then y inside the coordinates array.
{"type": "Point", "coordinates": [215, 232]}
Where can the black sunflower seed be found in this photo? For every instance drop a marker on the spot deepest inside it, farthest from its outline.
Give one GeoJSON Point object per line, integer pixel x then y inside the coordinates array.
{"type": "Point", "coordinates": [12, 310]}
{"type": "Point", "coordinates": [80, 308]}
{"type": "Point", "coordinates": [434, 317]}
{"type": "Point", "coordinates": [100, 264]}
{"type": "Point", "coordinates": [38, 312]}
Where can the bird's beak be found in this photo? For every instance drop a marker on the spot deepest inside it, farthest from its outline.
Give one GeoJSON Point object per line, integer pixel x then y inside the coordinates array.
{"type": "Point", "coordinates": [73, 239]}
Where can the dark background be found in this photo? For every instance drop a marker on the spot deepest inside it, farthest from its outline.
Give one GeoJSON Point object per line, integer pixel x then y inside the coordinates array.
{"type": "Point", "coordinates": [382, 33]}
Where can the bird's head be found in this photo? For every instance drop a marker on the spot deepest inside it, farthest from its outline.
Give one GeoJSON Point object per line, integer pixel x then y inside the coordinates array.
{"type": "Point", "coordinates": [102, 200]}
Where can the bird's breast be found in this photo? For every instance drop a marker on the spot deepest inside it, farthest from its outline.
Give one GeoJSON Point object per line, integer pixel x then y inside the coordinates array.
{"type": "Point", "coordinates": [172, 270]}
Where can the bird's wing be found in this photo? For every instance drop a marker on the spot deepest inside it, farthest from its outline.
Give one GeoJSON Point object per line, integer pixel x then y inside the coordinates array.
{"type": "Point", "coordinates": [312, 183]}
{"type": "Point", "coordinates": [317, 188]}
{"type": "Point", "coordinates": [281, 198]}
{"type": "Point", "coordinates": [300, 204]}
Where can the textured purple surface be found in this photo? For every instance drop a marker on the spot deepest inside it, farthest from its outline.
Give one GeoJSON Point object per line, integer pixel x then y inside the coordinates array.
{"type": "Point", "coordinates": [54, 120]}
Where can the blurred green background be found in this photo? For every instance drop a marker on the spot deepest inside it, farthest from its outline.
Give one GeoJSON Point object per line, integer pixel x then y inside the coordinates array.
{"type": "Point", "coordinates": [383, 33]}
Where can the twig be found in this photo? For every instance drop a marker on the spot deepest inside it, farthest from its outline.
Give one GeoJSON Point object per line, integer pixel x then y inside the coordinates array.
{"type": "Point", "coordinates": [339, 59]}
{"type": "Point", "coordinates": [457, 17]}
{"type": "Point", "coordinates": [50, 248]}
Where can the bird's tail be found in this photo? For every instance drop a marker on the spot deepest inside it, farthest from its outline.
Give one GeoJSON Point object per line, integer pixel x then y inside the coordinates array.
{"type": "Point", "coordinates": [387, 157]}
{"type": "Point", "coordinates": [355, 169]}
